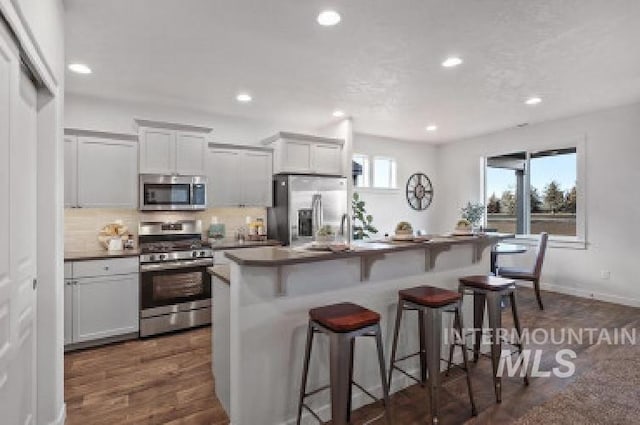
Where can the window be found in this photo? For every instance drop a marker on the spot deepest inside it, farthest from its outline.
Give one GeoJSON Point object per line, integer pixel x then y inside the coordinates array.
{"type": "Point", "coordinates": [384, 173]}
{"type": "Point", "coordinates": [533, 192]}
{"type": "Point", "coordinates": [361, 171]}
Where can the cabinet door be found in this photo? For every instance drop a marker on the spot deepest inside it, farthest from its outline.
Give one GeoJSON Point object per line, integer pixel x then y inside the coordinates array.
{"type": "Point", "coordinates": [68, 311]}
{"type": "Point", "coordinates": [107, 173]}
{"type": "Point", "coordinates": [157, 151]}
{"type": "Point", "coordinates": [223, 170]}
{"type": "Point", "coordinates": [190, 152]}
{"type": "Point", "coordinates": [104, 307]}
{"type": "Point", "coordinates": [297, 157]}
{"type": "Point", "coordinates": [327, 159]}
{"type": "Point", "coordinates": [70, 171]}
{"type": "Point", "coordinates": [256, 177]}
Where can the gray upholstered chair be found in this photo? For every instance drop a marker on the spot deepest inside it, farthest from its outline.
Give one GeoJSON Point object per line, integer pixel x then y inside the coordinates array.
{"type": "Point", "coordinates": [531, 275]}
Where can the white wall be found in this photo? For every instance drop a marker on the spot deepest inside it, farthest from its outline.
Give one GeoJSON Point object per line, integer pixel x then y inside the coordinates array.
{"type": "Point", "coordinates": [388, 207]}
{"type": "Point", "coordinates": [90, 113]}
{"type": "Point", "coordinates": [611, 193]}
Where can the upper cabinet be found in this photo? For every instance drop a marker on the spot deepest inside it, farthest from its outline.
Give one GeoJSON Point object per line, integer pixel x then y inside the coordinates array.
{"type": "Point", "coordinates": [300, 153]}
{"type": "Point", "coordinates": [100, 172]}
{"type": "Point", "coordinates": [172, 148]}
{"type": "Point", "coordinates": [239, 176]}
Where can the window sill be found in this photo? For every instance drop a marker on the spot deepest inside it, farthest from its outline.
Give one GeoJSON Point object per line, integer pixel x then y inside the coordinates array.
{"type": "Point", "coordinates": [566, 242]}
{"type": "Point", "coordinates": [376, 189]}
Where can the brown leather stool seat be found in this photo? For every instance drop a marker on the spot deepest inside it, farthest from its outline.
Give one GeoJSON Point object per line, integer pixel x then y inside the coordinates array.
{"type": "Point", "coordinates": [430, 296]}
{"type": "Point", "coordinates": [344, 317]}
{"type": "Point", "coordinates": [488, 283]}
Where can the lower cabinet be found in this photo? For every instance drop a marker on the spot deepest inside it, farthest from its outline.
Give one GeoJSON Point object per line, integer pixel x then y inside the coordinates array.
{"type": "Point", "coordinates": [101, 306]}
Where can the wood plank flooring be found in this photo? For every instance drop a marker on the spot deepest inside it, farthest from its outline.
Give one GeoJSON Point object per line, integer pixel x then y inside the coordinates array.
{"type": "Point", "coordinates": [167, 380]}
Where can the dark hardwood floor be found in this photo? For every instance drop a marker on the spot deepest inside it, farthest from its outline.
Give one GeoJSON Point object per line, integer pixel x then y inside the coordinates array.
{"type": "Point", "coordinates": [168, 379]}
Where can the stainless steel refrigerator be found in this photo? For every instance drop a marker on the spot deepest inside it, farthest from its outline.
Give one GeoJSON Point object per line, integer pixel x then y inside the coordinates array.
{"type": "Point", "coordinates": [304, 203]}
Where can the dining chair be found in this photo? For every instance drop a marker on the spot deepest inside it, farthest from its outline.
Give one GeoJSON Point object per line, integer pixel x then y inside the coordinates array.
{"type": "Point", "coordinates": [530, 275]}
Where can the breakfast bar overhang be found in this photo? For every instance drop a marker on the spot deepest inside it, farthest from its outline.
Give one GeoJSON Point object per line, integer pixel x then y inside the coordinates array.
{"type": "Point", "coordinates": [265, 305]}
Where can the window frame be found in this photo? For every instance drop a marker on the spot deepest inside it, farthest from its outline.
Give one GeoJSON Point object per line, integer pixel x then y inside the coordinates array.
{"type": "Point", "coordinates": [576, 242]}
{"type": "Point", "coordinates": [393, 173]}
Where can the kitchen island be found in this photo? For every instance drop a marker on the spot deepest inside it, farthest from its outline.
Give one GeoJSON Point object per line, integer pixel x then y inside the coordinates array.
{"type": "Point", "coordinates": [270, 291]}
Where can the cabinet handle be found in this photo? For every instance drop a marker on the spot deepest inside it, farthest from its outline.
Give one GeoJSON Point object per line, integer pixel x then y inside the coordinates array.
{"type": "Point", "coordinates": [106, 267]}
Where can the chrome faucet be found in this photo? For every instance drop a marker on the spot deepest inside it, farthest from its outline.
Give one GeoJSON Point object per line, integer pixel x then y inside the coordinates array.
{"type": "Point", "coordinates": [346, 230]}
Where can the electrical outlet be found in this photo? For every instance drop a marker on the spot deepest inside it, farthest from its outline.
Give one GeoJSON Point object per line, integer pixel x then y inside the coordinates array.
{"type": "Point", "coordinates": [605, 274]}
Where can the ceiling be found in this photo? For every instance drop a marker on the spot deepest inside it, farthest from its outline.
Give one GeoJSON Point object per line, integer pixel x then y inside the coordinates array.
{"type": "Point", "coordinates": [381, 64]}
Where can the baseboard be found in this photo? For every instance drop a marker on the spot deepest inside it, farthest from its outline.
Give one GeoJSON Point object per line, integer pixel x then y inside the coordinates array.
{"type": "Point", "coordinates": [585, 293]}
{"type": "Point", "coordinates": [62, 416]}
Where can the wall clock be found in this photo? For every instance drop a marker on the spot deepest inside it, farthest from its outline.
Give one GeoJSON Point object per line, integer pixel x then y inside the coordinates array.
{"type": "Point", "coordinates": [419, 191]}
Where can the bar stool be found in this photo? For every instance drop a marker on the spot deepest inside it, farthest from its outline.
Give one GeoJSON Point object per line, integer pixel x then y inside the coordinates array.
{"type": "Point", "coordinates": [492, 289]}
{"type": "Point", "coordinates": [343, 323]}
{"type": "Point", "coordinates": [430, 303]}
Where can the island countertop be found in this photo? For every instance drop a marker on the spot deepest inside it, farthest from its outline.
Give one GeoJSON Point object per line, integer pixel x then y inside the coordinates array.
{"type": "Point", "coordinates": [281, 256]}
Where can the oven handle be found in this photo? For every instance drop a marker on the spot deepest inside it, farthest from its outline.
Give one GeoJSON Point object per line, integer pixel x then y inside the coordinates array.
{"type": "Point", "coordinates": [172, 265]}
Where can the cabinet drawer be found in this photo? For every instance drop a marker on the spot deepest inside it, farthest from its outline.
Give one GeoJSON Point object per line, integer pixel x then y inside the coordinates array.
{"type": "Point", "coordinates": [112, 266]}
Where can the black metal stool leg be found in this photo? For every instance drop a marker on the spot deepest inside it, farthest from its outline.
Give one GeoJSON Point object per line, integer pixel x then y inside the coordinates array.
{"type": "Point", "coordinates": [394, 347]}
{"type": "Point", "coordinates": [383, 376]}
{"type": "Point", "coordinates": [465, 360]}
{"type": "Point", "coordinates": [353, 348]}
{"type": "Point", "coordinates": [423, 347]}
{"type": "Point", "coordinates": [433, 328]}
{"type": "Point", "coordinates": [478, 321]}
{"type": "Point", "coordinates": [495, 323]}
{"type": "Point", "coordinates": [339, 359]}
{"type": "Point", "coordinates": [305, 370]}
{"type": "Point", "coordinates": [513, 297]}
{"type": "Point", "coordinates": [452, 344]}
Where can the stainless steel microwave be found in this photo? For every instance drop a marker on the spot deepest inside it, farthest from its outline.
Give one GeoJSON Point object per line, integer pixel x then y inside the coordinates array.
{"type": "Point", "coordinates": [172, 193]}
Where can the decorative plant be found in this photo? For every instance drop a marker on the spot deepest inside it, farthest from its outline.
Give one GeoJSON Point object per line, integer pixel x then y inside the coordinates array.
{"type": "Point", "coordinates": [325, 230]}
{"type": "Point", "coordinates": [362, 226]}
{"type": "Point", "coordinates": [473, 212]}
{"type": "Point", "coordinates": [404, 226]}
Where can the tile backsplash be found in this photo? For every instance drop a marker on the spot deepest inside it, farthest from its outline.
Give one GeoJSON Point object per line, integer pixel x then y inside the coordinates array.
{"type": "Point", "coordinates": [82, 225]}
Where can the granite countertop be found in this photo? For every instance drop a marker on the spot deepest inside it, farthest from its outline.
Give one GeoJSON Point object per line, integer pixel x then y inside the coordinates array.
{"type": "Point", "coordinates": [225, 244]}
{"type": "Point", "coordinates": [103, 254]}
{"type": "Point", "coordinates": [99, 254]}
{"type": "Point", "coordinates": [279, 256]}
{"type": "Point", "coordinates": [221, 271]}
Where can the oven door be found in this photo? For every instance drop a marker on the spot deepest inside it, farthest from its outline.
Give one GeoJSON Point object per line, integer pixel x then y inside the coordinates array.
{"type": "Point", "coordinates": [166, 290]}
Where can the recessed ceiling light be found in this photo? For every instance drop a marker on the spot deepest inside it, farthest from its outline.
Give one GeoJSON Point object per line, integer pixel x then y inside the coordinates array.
{"type": "Point", "coordinates": [79, 68]}
{"type": "Point", "coordinates": [451, 62]}
{"type": "Point", "coordinates": [533, 101]}
{"type": "Point", "coordinates": [432, 127]}
{"type": "Point", "coordinates": [244, 97]}
{"type": "Point", "coordinates": [328, 18]}
{"type": "Point", "coordinates": [338, 114]}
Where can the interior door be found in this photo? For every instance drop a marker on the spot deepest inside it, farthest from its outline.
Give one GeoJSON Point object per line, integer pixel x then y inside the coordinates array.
{"type": "Point", "coordinates": [18, 136]}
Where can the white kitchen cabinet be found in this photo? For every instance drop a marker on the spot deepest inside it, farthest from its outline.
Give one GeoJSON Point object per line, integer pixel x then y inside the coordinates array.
{"type": "Point", "coordinates": [70, 171]}
{"type": "Point", "coordinates": [157, 151]}
{"type": "Point", "coordinates": [101, 299]}
{"type": "Point", "coordinates": [327, 159]}
{"type": "Point", "coordinates": [174, 149]}
{"type": "Point", "coordinates": [239, 176]}
{"type": "Point", "coordinates": [107, 173]}
{"type": "Point", "coordinates": [304, 154]}
{"type": "Point", "coordinates": [256, 178]}
{"type": "Point", "coordinates": [190, 153]}
{"type": "Point", "coordinates": [104, 307]}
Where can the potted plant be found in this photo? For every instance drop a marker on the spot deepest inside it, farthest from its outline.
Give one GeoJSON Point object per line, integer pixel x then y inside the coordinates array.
{"type": "Point", "coordinates": [473, 213]}
{"type": "Point", "coordinates": [325, 235]}
{"type": "Point", "coordinates": [362, 226]}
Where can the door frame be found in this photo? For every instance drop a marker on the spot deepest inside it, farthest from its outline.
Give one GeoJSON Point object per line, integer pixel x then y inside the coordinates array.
{"type": "Point", "coordinates": [50, 407]}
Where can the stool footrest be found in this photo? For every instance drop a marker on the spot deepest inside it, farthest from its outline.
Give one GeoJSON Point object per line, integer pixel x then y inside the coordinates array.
{"type": "Point", "coordinates": [407, 374]}
{"type": "Point", "coordinates": [310, 410]}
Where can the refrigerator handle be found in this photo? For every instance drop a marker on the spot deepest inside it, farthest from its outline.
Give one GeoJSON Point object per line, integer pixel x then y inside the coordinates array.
{"type": "Point", "coordinates": [316, 214]}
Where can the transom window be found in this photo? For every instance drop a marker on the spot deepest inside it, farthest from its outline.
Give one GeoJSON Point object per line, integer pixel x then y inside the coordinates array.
{"type": "Point", "coordinates": [380, 173]}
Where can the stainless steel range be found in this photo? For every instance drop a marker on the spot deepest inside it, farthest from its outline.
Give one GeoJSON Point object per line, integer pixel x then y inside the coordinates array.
{"type": "Point", "coordinates": [175, 287]}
